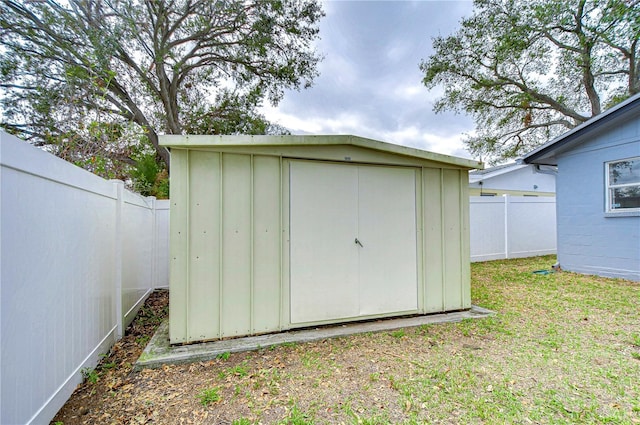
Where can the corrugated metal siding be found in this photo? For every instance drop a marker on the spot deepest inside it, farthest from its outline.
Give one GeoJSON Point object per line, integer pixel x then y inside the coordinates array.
{"type": "Point", "coordinates": [179, 273]}
{"type": "Point", "coordinates": [267, 244]}
{"type": "Point", "coordinates": [204, 217]}
{"type": "Point", "coordinates": [226, 245]}
{"type": "Point", "coordinates": [433, 219]}
{"type": "Point", "coordinates": [236, 258]}
{"type": "Point", "coordinates": [446, 240]}
{"type": "Point", "coordinates": [230, 242]}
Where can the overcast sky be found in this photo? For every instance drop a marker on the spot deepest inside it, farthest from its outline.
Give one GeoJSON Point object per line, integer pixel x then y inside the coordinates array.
{"type": "Point", "coordinates": [370, 84]}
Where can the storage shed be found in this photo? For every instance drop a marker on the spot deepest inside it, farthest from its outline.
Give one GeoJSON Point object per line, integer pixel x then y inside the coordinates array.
{"type": "Point", "coordinates": [270, 233]}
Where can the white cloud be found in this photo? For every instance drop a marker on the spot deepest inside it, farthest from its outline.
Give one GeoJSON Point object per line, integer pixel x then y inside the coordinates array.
{"type": "Point", "coordinates": [370, 84]}
{"type": "Point", "coordinates": [339, 69]}
{"type": "Point", "coordinates": [356, 124]}
{"type": "Point", "coordinates": [420, 139]}
{"type": "Point", "coordinates": [342, 123]}
{"type": "Point", "coordinates": [410, 91]}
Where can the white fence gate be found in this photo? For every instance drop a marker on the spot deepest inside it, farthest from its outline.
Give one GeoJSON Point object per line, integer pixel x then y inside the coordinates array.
{"type": "Point", "coordinates": [79, 255]}
{"type": "Point", "coordinates": [511, 226]}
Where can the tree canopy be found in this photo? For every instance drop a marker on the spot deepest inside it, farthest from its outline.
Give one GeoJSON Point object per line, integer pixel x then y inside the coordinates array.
{"type": "Point", "coordinates": [529, 70]}
{"type": "Point", "coordinates": [110, 75]}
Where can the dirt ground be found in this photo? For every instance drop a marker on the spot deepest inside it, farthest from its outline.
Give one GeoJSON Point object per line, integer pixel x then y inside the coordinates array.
{"type": "Point", "coordinates": [563, 348]}
{"type": "Point", "coordinates": [268, 380]}
{"type": "Point", "coordinates": [114, 371]}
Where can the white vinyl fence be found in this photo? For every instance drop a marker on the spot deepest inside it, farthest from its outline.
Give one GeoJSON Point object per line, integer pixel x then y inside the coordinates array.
{"type": "Point", "coordinates": [78, 256]}
{"type": "Point", "coordinates": [511, 226]}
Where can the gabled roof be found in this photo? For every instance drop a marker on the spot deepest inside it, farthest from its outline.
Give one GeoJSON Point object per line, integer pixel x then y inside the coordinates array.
{"type": "Point", "coordinates": [201, 141]}
{"type": "Point", "coordinates": [547, 153]}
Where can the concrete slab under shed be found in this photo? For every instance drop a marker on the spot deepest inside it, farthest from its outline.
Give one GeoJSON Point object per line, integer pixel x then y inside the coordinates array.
{"type": "Point", "coordinates": [159, 352]}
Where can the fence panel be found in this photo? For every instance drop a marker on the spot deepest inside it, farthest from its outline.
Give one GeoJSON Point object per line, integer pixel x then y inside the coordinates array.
{"type": "Point", "coordinates": [511, 227]}
{"type": "Point", "coordinates": [137, 252]}
{"type": "Point", "coordinates": [161, 244]}
{"type": "Point", "coordinates": [531, 226]}
{"type": "Point", "coordinates": [487, 229]}
{"type": "Point", "coordinates": [77, 253]}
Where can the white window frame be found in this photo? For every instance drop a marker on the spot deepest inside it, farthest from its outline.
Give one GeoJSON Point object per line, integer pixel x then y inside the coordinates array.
{"type": "Point", "coordinates": [610, 186]}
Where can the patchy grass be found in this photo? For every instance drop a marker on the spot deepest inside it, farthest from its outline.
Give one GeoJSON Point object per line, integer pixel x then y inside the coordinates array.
{"type": "Point", "coordinates": [563, 348]}
{"type": "Point", "coordinates": [209, 395]}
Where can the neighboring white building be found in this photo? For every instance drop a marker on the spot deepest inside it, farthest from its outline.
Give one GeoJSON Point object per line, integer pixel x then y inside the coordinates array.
{"type": "Point", "coordinates": [513, 179]}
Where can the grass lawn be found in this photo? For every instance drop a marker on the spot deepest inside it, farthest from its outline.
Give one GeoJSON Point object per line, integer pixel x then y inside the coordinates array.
{"type": "Point", "coordinates": [562, 348]}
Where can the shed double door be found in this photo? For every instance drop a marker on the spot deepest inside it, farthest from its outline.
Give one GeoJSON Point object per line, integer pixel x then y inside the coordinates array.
{"type": "Point", "coordinates": [353, 241]}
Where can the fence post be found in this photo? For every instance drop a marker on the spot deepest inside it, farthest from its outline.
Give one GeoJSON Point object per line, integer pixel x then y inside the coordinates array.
{"type": "Point", "coordinates": [507, 199]}
{"type": "Point", "coordinates": [119, 185]}
{"type": "Point", "coordinates": [154, 242]}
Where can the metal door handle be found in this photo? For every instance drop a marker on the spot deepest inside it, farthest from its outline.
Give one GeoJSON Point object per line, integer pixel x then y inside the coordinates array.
{"type": "Point", "coordinates": [359, 243]}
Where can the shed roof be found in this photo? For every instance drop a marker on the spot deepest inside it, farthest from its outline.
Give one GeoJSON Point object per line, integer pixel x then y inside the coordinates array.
{"type": "Point", "coordinates": [213, 141]}
{"type": "Point", "coordinates": [547, 153]}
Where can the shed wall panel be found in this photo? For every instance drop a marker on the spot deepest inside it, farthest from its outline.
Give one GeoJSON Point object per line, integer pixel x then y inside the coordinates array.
{"type": "Point", "coordinates": [267, 250]}
{"type": "Point", "coordinates": [453, 247]}
{"type": "Point", "coordinates": [204, 256]}
{"type": "Point", "coordinates": [432, 243]}
{"type": "Point", "coordinates": [179, 302]}
{"type": "Point", "coordinates": [237, 229]}
{"type": "Point", "coordinates": [464, 258]}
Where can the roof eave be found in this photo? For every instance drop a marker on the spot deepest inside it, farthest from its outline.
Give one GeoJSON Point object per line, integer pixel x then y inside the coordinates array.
{"type": "Point", "coordinates": [204, 141]}
{"type": "Point", "coordinates": [498, 172]}
{"type": "Point", "coordinates": [546, 154]}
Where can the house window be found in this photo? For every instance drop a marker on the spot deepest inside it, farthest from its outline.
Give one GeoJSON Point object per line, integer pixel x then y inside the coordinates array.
{"type": "Point", "coordinates": [623, 185]}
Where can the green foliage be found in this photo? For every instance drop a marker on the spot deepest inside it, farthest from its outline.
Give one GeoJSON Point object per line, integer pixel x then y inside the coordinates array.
{"type": "Point", "coordinates": [209, 395]}
{"type": "Point", "coordinates": [224, 356]}
{"type": "Point", "coordinates": [399, 333]}
{"type": "Point", "coordinates": [150, 177]}
{"type": "Point", "coordinates": [233, 113]}
{"type": "Point", "coordinates": [142, 340]}
{"type": "Point", "coordinates": [90, 375]}
{"type": "Point", "coordinates": [97, 80]}
{"type": "Point", "coordinates": [239, 370]}
{"type": "Point", "coordinates": [93, 375]}
{"type": "Point", "coordinates": [530, 70]}
{"type": "Point", "coordinates": [147, 316]}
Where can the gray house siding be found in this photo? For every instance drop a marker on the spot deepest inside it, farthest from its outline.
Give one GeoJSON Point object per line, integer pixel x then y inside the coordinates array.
{"type": "Point", "coordinates": [590, 240]}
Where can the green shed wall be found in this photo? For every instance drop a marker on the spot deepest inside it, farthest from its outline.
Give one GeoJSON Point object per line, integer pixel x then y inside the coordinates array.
{"type": "Point", "coordinates": [229, 238]}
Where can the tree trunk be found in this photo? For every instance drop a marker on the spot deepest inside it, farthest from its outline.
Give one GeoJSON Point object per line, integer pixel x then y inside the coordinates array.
{"type": "Point", "coordinates": [160, 150]}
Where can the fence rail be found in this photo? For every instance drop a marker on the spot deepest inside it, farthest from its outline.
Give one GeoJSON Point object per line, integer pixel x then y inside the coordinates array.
{"type": "Point", "coordinates": [79, 254]}
{"type": "Point", "coordinates": [511, 226]}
